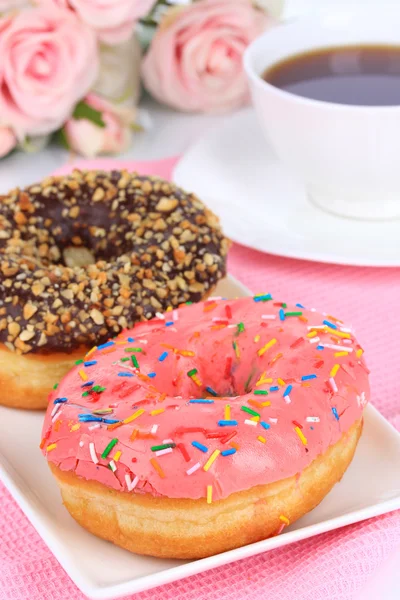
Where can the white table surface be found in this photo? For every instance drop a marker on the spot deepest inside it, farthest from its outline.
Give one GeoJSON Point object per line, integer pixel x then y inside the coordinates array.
{"type": "Point", "coordinates": [169, 135]}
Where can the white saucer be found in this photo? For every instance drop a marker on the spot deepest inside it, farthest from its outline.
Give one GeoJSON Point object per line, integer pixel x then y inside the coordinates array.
{"type": "Point", "coordinates": [261, 206]}
{"type": "Point", "coordinates": [103, 571]}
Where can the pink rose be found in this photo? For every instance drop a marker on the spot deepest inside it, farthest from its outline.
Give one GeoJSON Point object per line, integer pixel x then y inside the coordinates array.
{"type": "Point", "coordinates": [195, 59]}
{"type": "Point", "coordinates": [48, 62]}
{"type": "Point", "coordinates": [8, 140]}
{"type": "Point", "coordinates": [113, 20]}
{"type": "Point", "coordinates": [88, 139]}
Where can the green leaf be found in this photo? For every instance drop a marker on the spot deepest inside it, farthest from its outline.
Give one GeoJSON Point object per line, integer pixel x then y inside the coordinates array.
{"type": "Point", "coordinates": [61, 138]}
{"type": "Point", "coordinates": [85, 111]}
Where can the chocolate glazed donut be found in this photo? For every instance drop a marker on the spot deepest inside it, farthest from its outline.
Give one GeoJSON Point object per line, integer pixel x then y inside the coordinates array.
{"type": "Point", "coordinates": [83, 257]}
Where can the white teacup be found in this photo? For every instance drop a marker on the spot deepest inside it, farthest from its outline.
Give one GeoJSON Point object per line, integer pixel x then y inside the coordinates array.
{"type": "Point", "coordinates": [347, 156]}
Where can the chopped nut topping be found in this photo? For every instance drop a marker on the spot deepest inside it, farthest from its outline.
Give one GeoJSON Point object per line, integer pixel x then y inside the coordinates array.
{"type": "Point", "coordinates": [26, 335]}
{"type": "Point", "coordinates": [29, 311]}
{"type": "Point", "coordinates": [97, 317]}
{"type": "Point", "coordinates": [167, 204]}
{"type": "Point", "coordinates": [98, 195]}
{"type": "Point", "coordinates": [84, 256]}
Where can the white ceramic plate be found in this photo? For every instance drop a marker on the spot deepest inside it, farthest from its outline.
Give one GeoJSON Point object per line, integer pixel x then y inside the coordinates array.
{"type": "Point", "coordinates": [370, 487]}
{"type": "Point", "coordinates": [261, 206]}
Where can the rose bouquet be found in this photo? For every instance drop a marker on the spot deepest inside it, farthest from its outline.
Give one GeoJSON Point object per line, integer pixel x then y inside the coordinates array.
{"type": "Point", "coordinates": [67, 67]}
{"type": "Point", "coordinates": [194, 62]}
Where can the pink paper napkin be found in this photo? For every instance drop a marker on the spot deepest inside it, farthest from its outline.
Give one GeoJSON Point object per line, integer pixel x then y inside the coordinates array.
{"type": "Point", "coordinates": [334, 566]}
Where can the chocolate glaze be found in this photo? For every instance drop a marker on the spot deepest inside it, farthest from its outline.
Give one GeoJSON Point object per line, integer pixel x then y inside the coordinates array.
{"type": "Point", "coordinates": [154, 246]}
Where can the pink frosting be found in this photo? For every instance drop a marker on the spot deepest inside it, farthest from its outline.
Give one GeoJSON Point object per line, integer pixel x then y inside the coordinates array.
{"type": "Point", "coordinates": [235, 349]}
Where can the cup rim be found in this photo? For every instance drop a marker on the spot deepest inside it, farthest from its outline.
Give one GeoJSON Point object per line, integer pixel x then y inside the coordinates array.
{"type": "Point", "coordinates": [256, 78]}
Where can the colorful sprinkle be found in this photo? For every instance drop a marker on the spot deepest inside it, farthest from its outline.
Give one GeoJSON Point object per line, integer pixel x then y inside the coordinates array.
{"type": "Point", "coordinates": [301, 435]}
{"type": "Point", "coordinates": [103, 346]}
{"type": "Point", "coordinates": [93, 454]}
{"type": "Point", "coordinates": [329, 324]}
{"type": "Point", "coordinates": [261, 439]}
{"type": "Point", "coordinates": [87, 418]}
{"type": "Point", "coordinates": [211, 391]}
{"type": "Point", "coordinates": [162, 447]}
{"type": "Point", "coordinates": [60, 400]}
{"type": "Point", "coordinates": [249, 411]}
{"type": "Point", "coordinates": [297, 342]}
{"type": "Point", "coordinates": [109, 447]}
{"type": "Point", "coordinates": [333, 385]}
{"type": "Point", "coordinates": [334, 370]}
{"type": "Point", "coordinates": [201, 401]}
{"type": "Point", "coordinates": [157, 467]}
{"type": "Point", "coordinates": [212, 458]}
{"type": "Point", "coordinates": [307, 377]}
{"type": "Point", "coordinates": [193, 469]}
{"type": "Point", "coordinates": [265, 425]}
{"type": "Point", "coordinates": [339, 334]}
{"type": "Point", "coordinates": [131, 484]}
{"type": "Point", "coordinates": [200, 446]}
{"type": "Point", "coordinates": [262, 298]}
{"type": "Point", "coordinates": [209, 494]}
{"type": "Point", "coordinates": [163, 356]}
{"type": "Point", "coordinates": [312, 334]}
{"type": "Point", "coordinates": [334, 347]}
{"type": "Point", "coordinates": [335, 413]}
{"type": "Point", "coordinates": [182, 449]}
{"type": "Point", "coordinates": [288, 390]}
{"type": "Point", "coordinates": [227, 423]}
{"type": "Point", "coordinates": [135, 415]}
{"type": "Point", "coordinates": [209, 307]}
{"type": "Point", "coordinates": [236, 349]}
{"type": "Point", "coordinates": [158, 411]}
{"type": "Point", "coordinates": [228, 452]}
{"type": "Point", "coordinates": [267, 346]}
{"type": "Point", "coordinates": [51, 447]}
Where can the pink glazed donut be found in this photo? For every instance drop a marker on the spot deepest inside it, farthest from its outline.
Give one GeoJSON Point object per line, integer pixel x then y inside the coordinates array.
{"type": "Point", "coordinates": [210, 427]}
